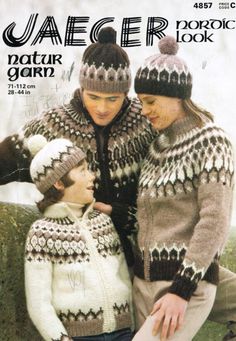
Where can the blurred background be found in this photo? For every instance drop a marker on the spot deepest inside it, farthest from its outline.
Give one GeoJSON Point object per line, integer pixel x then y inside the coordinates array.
{"type": "Point", "coordinates": [213, 65]}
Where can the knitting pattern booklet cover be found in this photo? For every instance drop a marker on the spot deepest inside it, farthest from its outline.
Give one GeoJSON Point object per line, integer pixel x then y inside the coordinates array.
{"type": "Point", "coordinates": [42, 43]}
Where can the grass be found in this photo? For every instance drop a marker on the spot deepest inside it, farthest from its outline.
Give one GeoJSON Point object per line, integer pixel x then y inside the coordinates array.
{"type": "Point", "coordinates": [213, 331]}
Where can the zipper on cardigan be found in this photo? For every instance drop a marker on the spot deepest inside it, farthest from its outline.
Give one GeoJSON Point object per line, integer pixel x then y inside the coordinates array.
{"type": "Point", "coordinates": [150, 227]}
{"type": "Point", "coordinates": [102, 139]}
{"type": "Point", "coordinates": [109, 319]}
{"type": "Point", "coordinates": [146, 255]}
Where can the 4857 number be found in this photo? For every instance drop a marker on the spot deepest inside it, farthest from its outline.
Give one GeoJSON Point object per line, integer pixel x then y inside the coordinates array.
{"type": "Point", "coordinates": [202, 4]}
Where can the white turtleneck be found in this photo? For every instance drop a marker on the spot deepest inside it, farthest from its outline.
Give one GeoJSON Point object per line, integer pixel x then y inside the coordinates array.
{"type": "Point", "coordinates": [76, 209]}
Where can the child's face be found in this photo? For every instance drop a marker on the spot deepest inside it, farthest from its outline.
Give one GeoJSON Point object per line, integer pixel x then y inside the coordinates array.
{"type": "Point", "coordinates": [81, 191]}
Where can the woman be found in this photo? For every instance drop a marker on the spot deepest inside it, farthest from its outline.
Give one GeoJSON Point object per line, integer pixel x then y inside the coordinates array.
{"type": "Point", "coordinates": [76, 278]}
{"type": "Point", "coordinates": [184, 202]}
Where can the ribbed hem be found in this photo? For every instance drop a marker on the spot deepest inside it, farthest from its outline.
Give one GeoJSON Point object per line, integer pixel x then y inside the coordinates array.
{"type": "Point", "coordinates": [166, 270]}
{"type": "Point", "coordinates": [95, 327]}
{"type": "Point", "coordinates": [85, 328]}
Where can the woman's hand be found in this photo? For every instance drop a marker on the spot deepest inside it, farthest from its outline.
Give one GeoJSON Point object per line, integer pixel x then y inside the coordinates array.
{"type": "Point", "coordinates": [169, 312]}
{"type": "Point", "coordinates": [104, 208]}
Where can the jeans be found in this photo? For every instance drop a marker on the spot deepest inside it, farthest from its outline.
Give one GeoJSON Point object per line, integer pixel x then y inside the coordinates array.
{"type": "Point", "coordinates": [118, 335]}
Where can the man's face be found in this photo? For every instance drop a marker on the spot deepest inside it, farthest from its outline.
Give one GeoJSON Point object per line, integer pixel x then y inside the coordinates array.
{"type": "Point", "coordinates": [102, 106]}
{"type": "Point", "coordinates": [81, 191]}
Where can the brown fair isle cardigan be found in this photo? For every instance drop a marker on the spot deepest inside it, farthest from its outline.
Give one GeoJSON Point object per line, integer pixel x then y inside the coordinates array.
{"type": "Point", "coordinates": [184, 206]}
{"type": "Point", "coordinates": [114, 154]}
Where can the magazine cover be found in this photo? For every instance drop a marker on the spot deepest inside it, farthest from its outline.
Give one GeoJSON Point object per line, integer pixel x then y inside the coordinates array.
{"type": "Point", "coordinates": [48, 58]}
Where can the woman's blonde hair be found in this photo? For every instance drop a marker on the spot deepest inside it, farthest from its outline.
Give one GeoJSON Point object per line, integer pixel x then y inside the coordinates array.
{"type": "Point", "coordinates": [202, 116]}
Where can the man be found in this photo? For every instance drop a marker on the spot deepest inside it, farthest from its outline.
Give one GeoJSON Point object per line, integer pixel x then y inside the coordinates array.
{"type": "Point", "coordinates": [102, 121]}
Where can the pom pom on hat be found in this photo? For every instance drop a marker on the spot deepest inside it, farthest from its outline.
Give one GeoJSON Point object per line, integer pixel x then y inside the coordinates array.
{"type": "Point", "coordinates": [168, 45]}
{"type": "Point", "coordinates": [36, 143]}
{"type": "Point", "coordinates": [107, 35]}
{"type": "Point", "coordinates": [164, 74]}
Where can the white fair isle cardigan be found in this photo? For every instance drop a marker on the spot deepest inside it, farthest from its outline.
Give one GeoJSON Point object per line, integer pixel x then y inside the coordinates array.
{"type": "Point", "coordinates": [76, 278]}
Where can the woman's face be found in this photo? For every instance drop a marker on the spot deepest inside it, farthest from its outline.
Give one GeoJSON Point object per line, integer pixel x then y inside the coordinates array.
{"type": "Point", "coordinates": [162, 111]}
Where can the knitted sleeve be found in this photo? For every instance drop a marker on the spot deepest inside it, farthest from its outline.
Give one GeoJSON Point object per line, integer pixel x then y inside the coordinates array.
{"type": "Point", "coordinates": [38, 286]}
{"type": "Point", "coordinates": [124, 219]}
{"type": "Point", "coordinates": [14, 160]}
{"type": "Point", "coordinates": [124, 216]}
{"type": "Point", "coordinates": [214, 157]}
{"type": "Point", "coordinates": [14, 154]}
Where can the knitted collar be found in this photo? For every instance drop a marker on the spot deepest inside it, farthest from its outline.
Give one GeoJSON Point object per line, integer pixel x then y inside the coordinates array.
{"type": "Point", "coordinates": [76, 209]}
{"type": "Point", "coordinates": [63, 209]}
{"type": "Point", "coordinates": [180, 127]}
{"type": "Point", "coordinates": [78, 106]}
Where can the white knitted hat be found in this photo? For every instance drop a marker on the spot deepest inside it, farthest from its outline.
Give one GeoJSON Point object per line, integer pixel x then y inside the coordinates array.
{"type": "Point", "coordinates": [52, 160]}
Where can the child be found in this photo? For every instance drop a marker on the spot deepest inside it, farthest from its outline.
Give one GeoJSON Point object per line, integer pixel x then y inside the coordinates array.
{"type": "Point", "coordinates": [76, 278]}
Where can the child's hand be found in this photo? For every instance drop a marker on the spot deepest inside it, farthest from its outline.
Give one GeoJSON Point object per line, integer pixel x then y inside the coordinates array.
{"type": "Point", "coordinates": [104, 208]}
{"type": "Point", "coordinates": [169, 314]}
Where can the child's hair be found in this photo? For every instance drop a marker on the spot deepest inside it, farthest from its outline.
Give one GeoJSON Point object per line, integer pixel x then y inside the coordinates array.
{"type": "Point", "coordinates": [53, 195]}
{"type": "Point", "coordinates": [199, 113]}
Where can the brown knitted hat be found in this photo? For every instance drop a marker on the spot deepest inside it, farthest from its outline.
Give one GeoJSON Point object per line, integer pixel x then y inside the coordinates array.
{"type": "Point", "coordinates": [105, 65]}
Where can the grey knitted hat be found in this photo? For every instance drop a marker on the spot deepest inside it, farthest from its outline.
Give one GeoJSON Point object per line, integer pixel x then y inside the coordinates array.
{"type": "Point", "coordinates": [164, 74]}
{"type": "Point", "coordinates": [105, 65]}
{"type": "Point", "coordinates": [52, 160]}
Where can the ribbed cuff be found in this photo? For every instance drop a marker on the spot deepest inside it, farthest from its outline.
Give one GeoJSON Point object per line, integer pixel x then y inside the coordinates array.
{"type": "Point", "coordinates": [183, 287]}
{"type": "Point", "coordinates": [119, 214]}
